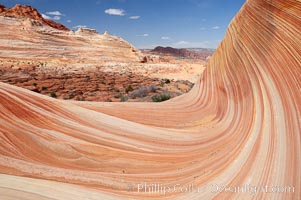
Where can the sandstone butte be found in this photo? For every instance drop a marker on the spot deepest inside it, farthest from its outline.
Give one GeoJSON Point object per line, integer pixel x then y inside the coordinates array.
{"type": "Point", "coordinates": [240, 124]}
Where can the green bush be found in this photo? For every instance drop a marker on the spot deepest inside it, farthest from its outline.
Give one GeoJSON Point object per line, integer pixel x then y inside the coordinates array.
{"type": "Point", "coordinates": [52, 94]}
{"type": "Point", "coordinates": [123, 98]}
{"type": "Point", "coordinates": [71, 96]}
{"type": "Point", "coordinates": [160, 97]}
{"type": "Point", "coordinates": [142, 92]}
{"type": "Point", "coordinates": [80, 99]}
{"type": "Point", "coordinates": [129, 89]}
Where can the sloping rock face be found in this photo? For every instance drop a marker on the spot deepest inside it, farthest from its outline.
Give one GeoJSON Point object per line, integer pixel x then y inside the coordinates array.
{"type": "Point", "coordinates": [30, 13]}
{"type": "Point", "coordinates": [239, 127]}
{"type": "Point", "coordinates": [30, 40]}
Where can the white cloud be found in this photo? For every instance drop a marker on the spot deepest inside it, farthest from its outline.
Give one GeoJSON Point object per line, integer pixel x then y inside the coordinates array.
{"type": "Point", "coordinates": [144, 35]}
{"type": "Point", "coordinates": [113, 11]}
{"type": "Point", "coordinates": [46, 16]}
{"type": "Point", "coordinates": [181, 43]}
{"type": "Point", "coordinates": [165, 38]}
{"type": "Point", "coordinates": [203, 28]}
{"type": "Point", "coordinates": [57, 13]}
{"type": "Point", "coordinates": [215, 27]}
{"type": "Point", "coordinates": [69, 21]}
{"type": "Point", "coordinates": [134, 17]}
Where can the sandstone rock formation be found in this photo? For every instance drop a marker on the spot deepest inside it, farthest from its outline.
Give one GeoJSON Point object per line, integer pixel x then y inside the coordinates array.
{"type": "Point", "coordinates": [30, 13]}
{"type": "Point", "coordinates": [26, 41]}
{"type": "Point", "coordinates": [106, 33]}
{"type": "Point", "coordinates": [2, 8]}
{"type": "Point", "coordinates": [88, 31]}
{"type": "Point", "coordinates": [32, 40]}
{"type": "Point", "coordinates": [240, 125]}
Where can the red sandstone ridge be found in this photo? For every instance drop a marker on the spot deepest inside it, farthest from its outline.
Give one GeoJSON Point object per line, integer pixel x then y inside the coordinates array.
{"type": "Point", "coordinates": [2, 8]}
{"type": "Point", "coordinates": [31, 13]}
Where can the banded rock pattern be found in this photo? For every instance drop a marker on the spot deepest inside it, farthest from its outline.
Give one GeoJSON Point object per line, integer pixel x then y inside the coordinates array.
{"type": "Point", "coordinates": [239, 125]}
{"type": "Point", "coordinates": [26, 36]}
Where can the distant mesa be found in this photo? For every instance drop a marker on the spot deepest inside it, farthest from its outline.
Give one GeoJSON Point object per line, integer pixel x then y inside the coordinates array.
{"type": "Point", "coordinates": [198, 53]}
{"type": "Point", "coordinates": [30, 13]}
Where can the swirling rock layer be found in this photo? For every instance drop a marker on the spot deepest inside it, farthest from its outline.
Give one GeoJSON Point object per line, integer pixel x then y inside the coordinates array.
{"type": "Point", "coordinates": [240, 125]}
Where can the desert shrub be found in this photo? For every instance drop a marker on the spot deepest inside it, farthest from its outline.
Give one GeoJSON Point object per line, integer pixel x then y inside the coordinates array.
{"type": "Point", "coordinates": [129, 89]}
{"type": "Point", "coordinates": [43, 88]}
{"type": "Point", "coordinates": [118, 95]}
{"type": "Point", "coordinates": [80, 99]}
{"type": "Point", "coordinates": [71, 96]}
{"type": "Point", "coordinates": [167, 81]}
{"type": "Point", "coordinates": [160, 97]}
{"type": "Point", "coordinates": [123, 98]}
{"type": "Point", "coordinates": [142, 92]}
{"type": "Point", "coordinates": [52, 94]}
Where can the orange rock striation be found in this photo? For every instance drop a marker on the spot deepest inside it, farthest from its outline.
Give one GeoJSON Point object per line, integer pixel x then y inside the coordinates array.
{"type": "Point", "coordinates": [26, 35]}
{"type": "Point", "coordinates": [240, 125]}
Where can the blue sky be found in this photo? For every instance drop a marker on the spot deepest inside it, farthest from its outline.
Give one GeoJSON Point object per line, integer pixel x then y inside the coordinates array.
{"type": "Point", "coordinates": [145, 23]}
